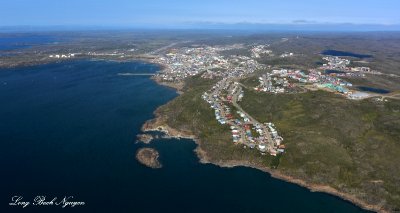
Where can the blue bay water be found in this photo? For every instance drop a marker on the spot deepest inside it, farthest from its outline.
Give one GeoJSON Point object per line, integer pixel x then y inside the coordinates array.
{"type": "Point", "coordinates": [69, 129]}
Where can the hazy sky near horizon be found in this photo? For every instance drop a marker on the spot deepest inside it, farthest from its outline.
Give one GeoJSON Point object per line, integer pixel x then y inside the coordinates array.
{"type": "Point", "coordinates": [180, 12]}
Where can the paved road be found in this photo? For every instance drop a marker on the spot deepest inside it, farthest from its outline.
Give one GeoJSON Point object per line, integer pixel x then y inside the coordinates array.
{"type": "Point", "coordinates": [165, 47]}
{"type": "Point", "coordinates": [162, 48]}
{"type": "Point", "coordinates": [267, 134]}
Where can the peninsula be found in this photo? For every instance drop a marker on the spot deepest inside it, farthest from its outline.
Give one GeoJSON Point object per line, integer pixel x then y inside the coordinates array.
{"type": "Point", "coordinates": [298, 122]}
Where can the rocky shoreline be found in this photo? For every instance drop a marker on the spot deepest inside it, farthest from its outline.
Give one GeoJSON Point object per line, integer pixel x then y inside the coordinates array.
{"type": "Point", "coordinates": [159, 124]}
{"type": "Point", "coordinates": [144, 138]}
{"type": "Point", "coordinates": [148, 157]}
{"type": "Point", "coordinates": [311, 187]}
{"type": "Point", "coordinates": [177, 86]}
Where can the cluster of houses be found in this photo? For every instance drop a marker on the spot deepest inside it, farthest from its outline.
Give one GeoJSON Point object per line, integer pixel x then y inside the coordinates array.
{"type": "Point", "coordinates": [226, 93]}
{"type": "Point", "coordinates": [181, 63]}
{"type": "Point", "coordinates": [276, 138]}
{"type": "Point", "coordinates": [335, 63]}
{"type": "Point", "coordinates": [113, 53]}
{"type": "Point", "coordinates": [68, 55]}
{"type": "Point", "coordinates": [267, 85]}
{"type": "Point", "coordinates": [281, 81]}
{"type": "Point", "coordinates": [189, 61]}
{"type": "Point", "coordinates": [184, 62]}
{"type": "Point", "coordinates": [237, 67]}
{"type": "Point", "coordinates": [259, 50]}
{"type": "Point", "coordinates": [317, 78]}
{"type": "Point", "coordinates": [245, 129]}
{"type": "Point", "coordinates": [90, 53]}
{"type": "Point", "coordinates": [285, 55]}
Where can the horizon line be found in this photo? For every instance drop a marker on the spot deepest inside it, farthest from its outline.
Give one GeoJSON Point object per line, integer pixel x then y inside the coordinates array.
{"type": "Point", "coordinates": [298, 25]}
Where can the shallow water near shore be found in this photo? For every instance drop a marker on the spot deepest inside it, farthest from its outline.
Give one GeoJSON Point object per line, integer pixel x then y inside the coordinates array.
{"type": "Point", "coordinates": [69, 129]}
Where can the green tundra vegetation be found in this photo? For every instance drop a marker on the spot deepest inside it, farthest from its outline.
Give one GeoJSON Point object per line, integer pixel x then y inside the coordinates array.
{"type": "Point", "coordinates": [352, 146]}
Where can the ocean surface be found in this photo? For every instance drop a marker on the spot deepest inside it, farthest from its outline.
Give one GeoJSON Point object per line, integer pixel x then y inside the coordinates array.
{"type": "Point", "coordinates": [68, 129]}
{"type": "Point", "coordinates": [12, 42]}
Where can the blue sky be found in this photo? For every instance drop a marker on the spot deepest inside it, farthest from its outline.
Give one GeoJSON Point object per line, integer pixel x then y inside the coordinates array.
{"type": "Point", "coordinates": [181, 12]}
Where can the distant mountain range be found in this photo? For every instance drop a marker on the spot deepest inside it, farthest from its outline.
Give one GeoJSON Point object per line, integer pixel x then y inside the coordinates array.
{"type": "Point", "coordinates": [298, 25]}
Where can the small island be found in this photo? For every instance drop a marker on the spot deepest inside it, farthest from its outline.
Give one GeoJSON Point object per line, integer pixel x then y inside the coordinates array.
{"type": "Point", "coordinates": [145, 138]}
{"type": "Point", "coordinates": [148, 157]}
